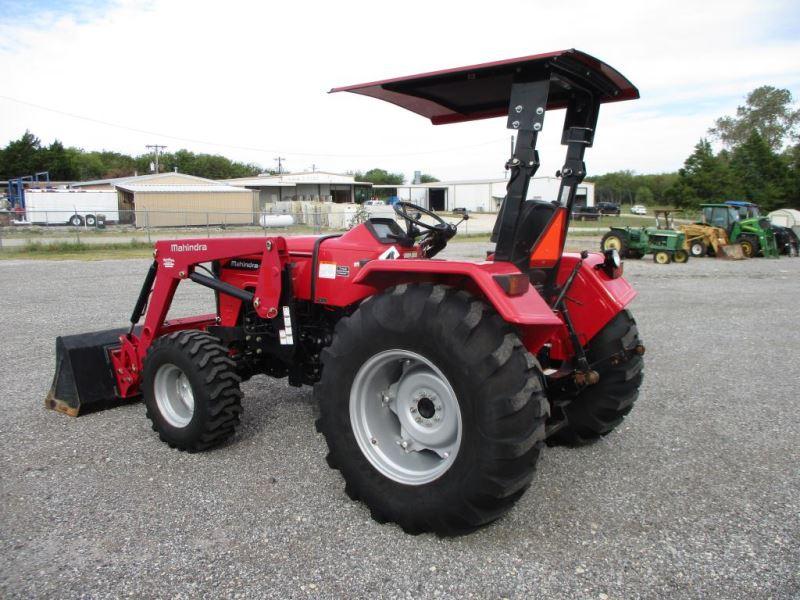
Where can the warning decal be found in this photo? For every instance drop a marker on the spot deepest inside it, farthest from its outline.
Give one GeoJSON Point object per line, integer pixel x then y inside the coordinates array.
{"type": "Point", "coordinates": [327, 270]}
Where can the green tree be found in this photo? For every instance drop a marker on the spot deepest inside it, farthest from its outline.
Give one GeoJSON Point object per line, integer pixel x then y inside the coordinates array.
{"type": "Point", "coordinates": [791, 159]}
{"type": "Point", "coordinates": [703, 178]}
{"type": "Point", "coordinates": [425, 178]}
{"type": "Point", "coordinates": [618, 187]}
{"type": "Point", "coordinates": [22, 157]}
{"type": "Point", "coordinates": [380, 177]}
{"type": "Point", "coordinates": [57, 162]}
{"type": "Point", "coordinates": [644, 195]}
{"type": "Point", "coordinates": [762, 175]}
{"type": "Point", "coordinates": [767, 111]}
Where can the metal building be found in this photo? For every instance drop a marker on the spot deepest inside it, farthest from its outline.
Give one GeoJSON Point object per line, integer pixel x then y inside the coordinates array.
{"type": "Point", "coordinates": [177, 199]}
{"type": "Point", "coordinates": [480, 195]}
{"type": "Point", "coordinates": [311, 186]}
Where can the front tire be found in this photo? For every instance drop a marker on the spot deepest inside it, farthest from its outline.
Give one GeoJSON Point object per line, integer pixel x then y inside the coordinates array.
{"type": "Point", "coordinates": [496, 406]}
{"type": "Point", "coordinates": [662, 257]}
{"type": "Point", "coordinates": [697, 248]}
{"type": "Point", "coordinates": [191, 390]}
{"type": "Point", "coordinates": [750, 246]}
{"type": "Point", "coordinates": [597, 410]}
{"type": "Point", "coordinates": [680, 256]}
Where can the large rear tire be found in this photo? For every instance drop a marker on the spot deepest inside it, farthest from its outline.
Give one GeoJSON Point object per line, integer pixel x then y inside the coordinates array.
{"type": "Point", "coordinates": [191, 390]}
{"type": "Point", "coordinates": [378, 414]}
{"type": "Point", "coordinates": [616, 241]}
{"type": "Point", "coordinates": [598, 409]}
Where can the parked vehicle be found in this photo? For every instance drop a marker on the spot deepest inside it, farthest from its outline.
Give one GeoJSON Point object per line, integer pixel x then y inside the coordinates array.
{"type": "Point", "coordinates": [608, 208]}
{"type": "Point", "coordinates": [585, 213]}
{"type": "Point", "coordinates": [70, 207]}
{"type": "Point", "coordinates": [786, 240]}
{"type": "Point", "coordinates": [753, 233]}
{"type": "Point", "coordinates": [638, 209]}
{"type": "Point", "coordinates": [438, 381]}
{"type": "Point", "coordinates": [662, 241]}
{"type": "Point", "coordinates": [374, 203]}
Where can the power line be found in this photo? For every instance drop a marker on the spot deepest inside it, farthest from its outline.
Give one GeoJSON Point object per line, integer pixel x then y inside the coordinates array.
{"type": "Point", "coordinates": [156, 148]}
{"type": "Point", "coordinates": [246, 148]}
{"type": "Point", "coordinates": [279, 160]}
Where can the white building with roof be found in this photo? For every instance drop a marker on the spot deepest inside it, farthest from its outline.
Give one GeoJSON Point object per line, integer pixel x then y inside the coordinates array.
{"type": "Point", "coordinates": [310, 186]}
{"type": "Point", "coordinates": [177, 199]}
{"type": "Point", "coordinates": [480, 195]}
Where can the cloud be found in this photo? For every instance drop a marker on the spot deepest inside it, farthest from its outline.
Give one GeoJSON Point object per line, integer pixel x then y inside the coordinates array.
{"type": "Point", "coordinates": [253, 76]}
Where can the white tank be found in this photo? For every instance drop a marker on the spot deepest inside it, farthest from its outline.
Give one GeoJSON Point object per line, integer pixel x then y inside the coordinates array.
{"type": "Point", "coordinates": [276, 220]}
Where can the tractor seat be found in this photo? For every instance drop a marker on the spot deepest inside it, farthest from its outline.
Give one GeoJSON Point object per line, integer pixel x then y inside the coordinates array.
{"type": "Point", "coordinates": [534, 217]}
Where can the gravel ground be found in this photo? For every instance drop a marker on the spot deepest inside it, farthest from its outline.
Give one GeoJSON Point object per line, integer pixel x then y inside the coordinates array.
{"type": "Point", "coordinates": [696, 495]}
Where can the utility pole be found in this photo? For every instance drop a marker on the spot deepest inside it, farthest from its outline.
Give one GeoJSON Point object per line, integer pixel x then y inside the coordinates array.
{"type": "Point", "coordinates": [156, 148]}
{"type": "Point", "coordinates": [280, 160]}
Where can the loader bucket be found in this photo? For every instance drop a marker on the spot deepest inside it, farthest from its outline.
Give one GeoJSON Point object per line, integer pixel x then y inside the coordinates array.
{"type": "Point", "coordinates": [84, 380]}
{"type": "Point", "coordinates": [731, 252]}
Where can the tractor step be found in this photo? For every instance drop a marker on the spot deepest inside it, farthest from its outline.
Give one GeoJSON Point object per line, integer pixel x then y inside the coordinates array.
{"type": "Point", "coordinates": [84, 380]}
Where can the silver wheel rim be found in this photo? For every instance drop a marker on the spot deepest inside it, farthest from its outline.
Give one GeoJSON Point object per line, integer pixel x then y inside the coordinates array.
{"type": "Point", "coordinates": [405, 417]}
{"type": "Point", "coordinates": [697, 249]}
{"type": "Point", "coordinates": [174, 396]}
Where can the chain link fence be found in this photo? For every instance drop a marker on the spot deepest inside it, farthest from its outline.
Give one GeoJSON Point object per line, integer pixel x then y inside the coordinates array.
{"type": "Point", "coordinates": [21, 229]}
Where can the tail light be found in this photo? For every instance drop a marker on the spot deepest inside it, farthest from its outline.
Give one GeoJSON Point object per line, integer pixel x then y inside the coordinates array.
{"type": "Point", "coordinates": [513, 284]}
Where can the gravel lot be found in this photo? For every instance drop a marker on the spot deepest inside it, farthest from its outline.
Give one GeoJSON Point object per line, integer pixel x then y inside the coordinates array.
{"type": "Point", "coordinates": [697, 494]}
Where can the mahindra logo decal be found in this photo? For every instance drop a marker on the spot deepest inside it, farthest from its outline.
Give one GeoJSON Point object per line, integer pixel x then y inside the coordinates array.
{"type": "Point", "coordinates": [188, 247]}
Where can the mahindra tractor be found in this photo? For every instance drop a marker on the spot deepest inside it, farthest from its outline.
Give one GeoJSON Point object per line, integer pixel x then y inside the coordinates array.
{"type": "Point", "coordinates": [438, 381]}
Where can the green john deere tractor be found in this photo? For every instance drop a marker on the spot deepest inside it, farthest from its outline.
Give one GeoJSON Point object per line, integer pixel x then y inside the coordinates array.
{"type": "Point", "coordinates": [744, 225]}
{"type": "Point", "coordinates": [662, 241]}
{"type": "Point", "coordinates": [750, 214]}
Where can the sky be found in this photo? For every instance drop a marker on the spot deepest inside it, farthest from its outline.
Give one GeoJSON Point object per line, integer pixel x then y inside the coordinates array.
{"type": "Point", "coordinates": [249, 80]}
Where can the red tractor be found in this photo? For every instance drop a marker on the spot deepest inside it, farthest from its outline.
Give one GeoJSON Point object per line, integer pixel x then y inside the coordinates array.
{"type": "Point", "coordinates": [438, 381]}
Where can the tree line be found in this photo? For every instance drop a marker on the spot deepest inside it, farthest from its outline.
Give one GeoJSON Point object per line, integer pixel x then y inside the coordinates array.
{"type": "Point", "coordinates": [28, 155]}
{"type": "Point", "coordinates": [759, 162]}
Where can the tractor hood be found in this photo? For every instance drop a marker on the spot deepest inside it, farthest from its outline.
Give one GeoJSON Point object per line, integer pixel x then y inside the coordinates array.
{"type": "Point", "coordinates": [483, 91]}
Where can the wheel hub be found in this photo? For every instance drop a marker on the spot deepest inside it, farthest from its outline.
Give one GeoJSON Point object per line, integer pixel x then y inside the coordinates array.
{"type": "Point", "coordinates": [405, 417]}
{"type": "Point", "coordinates": [174, 395]}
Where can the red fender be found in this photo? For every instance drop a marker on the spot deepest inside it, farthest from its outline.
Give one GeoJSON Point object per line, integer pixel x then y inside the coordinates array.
{"type": "Point", "coordinates": [528, 311]}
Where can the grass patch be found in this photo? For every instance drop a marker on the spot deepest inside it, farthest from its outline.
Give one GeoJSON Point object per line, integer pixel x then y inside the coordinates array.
{"type": "Point", "coordinates": [73, 250]}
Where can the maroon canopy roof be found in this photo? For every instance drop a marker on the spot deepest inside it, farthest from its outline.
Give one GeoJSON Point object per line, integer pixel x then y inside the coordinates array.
{"type": "Point", "coordinates": [483, 91]}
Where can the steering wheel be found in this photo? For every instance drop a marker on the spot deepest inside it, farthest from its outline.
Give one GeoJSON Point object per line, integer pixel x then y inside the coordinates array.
{"type": "Point", "coordinates": [436, 235]}
{"type": "Point", "coordinates": [402, 208]}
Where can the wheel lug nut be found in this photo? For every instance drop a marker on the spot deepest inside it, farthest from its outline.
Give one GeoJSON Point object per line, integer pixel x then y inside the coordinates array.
{"type": "Point", "coordinates": [418, 419]}
{"type": "Point", "coordinates": [413, 409]}
{"type": "Point", "coordinates": [446, 455]}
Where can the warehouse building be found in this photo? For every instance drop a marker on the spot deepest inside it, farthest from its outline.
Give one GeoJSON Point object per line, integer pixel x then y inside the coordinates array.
{"type": "Point", "coordinates": [176, 199]}
{"type": "Point", "coordinates": [310, 186]}
{"type": "Point", "coordinates": [480, 195]}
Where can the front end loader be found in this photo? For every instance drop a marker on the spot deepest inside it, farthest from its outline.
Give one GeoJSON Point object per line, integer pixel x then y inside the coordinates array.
{"type": "Point", "coordinates": [438, 381]}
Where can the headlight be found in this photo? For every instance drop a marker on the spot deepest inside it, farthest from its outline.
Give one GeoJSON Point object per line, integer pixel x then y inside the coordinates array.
{"type": "Point", "coordinates": [612, 264]}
